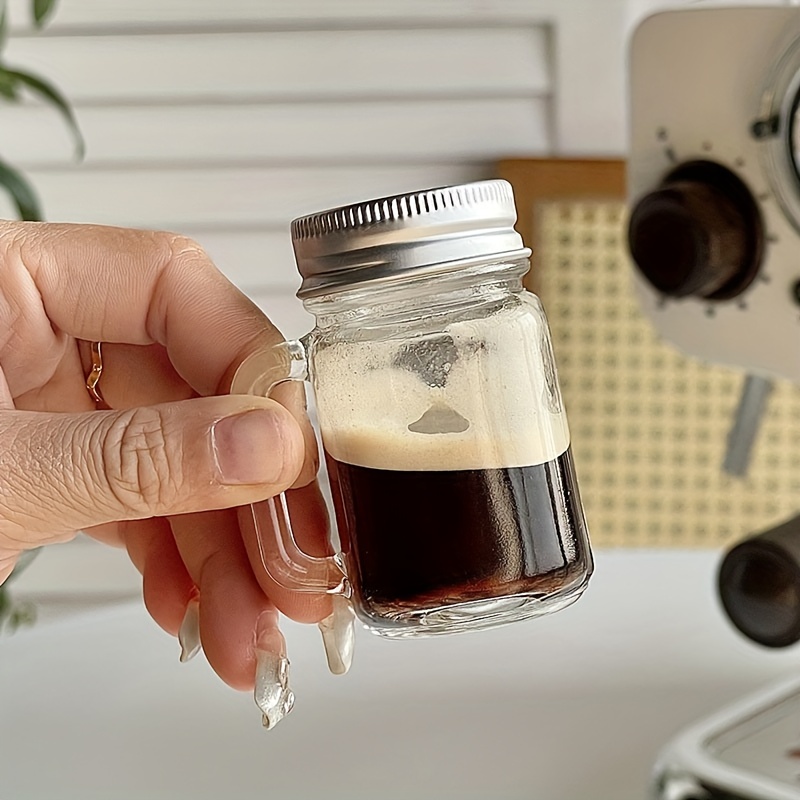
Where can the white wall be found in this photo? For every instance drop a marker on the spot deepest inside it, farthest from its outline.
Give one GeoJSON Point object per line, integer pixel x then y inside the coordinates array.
{"type": "Point", "coordinates": [224, 120]}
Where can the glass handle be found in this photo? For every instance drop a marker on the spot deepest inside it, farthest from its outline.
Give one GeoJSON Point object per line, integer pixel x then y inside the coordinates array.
{"type": "Point", "coordinates": [270, 520]}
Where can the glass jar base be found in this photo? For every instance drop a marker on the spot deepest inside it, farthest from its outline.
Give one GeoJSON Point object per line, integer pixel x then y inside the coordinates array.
{"type": "Point", "coordinates": [473, 615]}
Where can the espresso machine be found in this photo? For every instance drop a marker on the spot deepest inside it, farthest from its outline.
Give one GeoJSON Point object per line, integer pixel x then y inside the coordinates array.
{"type": "Point", "coordinates": [714, 232]}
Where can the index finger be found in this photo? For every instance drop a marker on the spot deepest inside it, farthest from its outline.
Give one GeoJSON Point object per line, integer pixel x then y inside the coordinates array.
{"type": "Point", "coordinates": [141, 287]}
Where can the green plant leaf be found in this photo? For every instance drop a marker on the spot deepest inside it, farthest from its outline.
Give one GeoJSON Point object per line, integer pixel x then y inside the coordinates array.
{"type": "Point", "coordinates": [42, 9]}
{"type": "Point", "coordinates": [5, 605]}
{"type": "Point", "coordinates": [14, 615]}
{"type": "Point", "coordinates": [21, 192]}
{"type": "Point", "coordinates": [21, 614]}
{"type": "Point", "coordinates": [3, 24]}
{"type": "Point", "coordinates": [51, 94]}
{"type": "Point", "coordinates": [9, 85]}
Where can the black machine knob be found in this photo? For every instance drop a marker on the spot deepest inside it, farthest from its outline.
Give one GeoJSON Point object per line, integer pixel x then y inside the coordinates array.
{"type": "Point", "coordinates": [699, 234]}
{"type": "Point", "coordinates": [759, 585]}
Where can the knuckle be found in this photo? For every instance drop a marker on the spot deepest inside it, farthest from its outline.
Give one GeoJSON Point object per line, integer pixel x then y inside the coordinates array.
{"type": "Point", "coordinates": [142, 464]}
{"type": "Point", "coordinates": [15, 235]}
{"type": "Point", "coordinates": [19, 245]}
{"type": "Point", "coordinates": [183, 249]}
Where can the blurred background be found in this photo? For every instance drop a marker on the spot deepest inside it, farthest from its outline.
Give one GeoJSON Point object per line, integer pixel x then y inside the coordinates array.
{"type": "Point", "coordinates": [225, 119]}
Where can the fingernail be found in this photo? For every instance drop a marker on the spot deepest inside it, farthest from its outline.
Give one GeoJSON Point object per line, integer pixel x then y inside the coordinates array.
{"type": "Point", "coordinates": [250, 447]}
{"type": "Point", "coordinates": [339, 635]}
{"type": "Point", "coordinates": [189, 632]}
{"type": "Point", "coordinates": [272, 693]}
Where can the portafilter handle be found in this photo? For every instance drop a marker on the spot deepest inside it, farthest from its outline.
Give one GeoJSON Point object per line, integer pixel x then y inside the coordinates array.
{"type": "Point", "coordinates": [759, 585]}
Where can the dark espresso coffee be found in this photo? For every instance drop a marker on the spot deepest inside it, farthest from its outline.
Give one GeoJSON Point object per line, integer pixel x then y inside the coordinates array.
{"type": "Point", "coordinates": [423, 539]}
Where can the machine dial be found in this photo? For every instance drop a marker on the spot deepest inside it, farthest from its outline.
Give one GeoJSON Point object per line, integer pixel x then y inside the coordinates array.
{"type": "Point", "coordinates": [699, 234]}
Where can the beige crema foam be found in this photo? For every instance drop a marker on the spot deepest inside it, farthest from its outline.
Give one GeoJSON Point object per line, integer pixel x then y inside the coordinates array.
{"type": "Point", "coordinates": [497, 408]}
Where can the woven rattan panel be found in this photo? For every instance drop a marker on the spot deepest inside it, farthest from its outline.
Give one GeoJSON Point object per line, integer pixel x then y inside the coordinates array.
{"type": "Point", "coordinates": [649, 425]}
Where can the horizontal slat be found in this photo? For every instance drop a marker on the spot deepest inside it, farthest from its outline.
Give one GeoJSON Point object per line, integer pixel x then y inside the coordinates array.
{"type": "Point", "coordinates": [102, 14]}
{"type": "Point", "coordinates": [255, 260]}
{"type": "Point", "coordinates": [285, 310]}
{"type": "Point", "coordinates": [241, 217]}
{"type": "Point", "coordinates": [290, 64]}
{"type": "Point", "coordinates": [196, 200]}
{"type": "Point", "coordinates": [427, 130]}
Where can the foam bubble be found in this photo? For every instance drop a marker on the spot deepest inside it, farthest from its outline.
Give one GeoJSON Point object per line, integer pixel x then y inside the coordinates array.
{"type": "Point", "coordinates": [381, 449]}
{"type": "Point", "coordinates": [498, 407]}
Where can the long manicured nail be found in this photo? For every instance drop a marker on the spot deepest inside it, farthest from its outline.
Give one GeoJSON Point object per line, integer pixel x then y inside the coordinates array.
{"type": "Point", "coordinates": [272, 693]}
{"type": "Point", "coordinates": [189, 633]}
{"type": "Point", "coordinates": [250, 447]}
{"type": "Point", "coordinates": [339, 635]}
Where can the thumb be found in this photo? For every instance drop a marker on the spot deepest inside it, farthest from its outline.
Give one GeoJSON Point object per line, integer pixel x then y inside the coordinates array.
{"type": "Point", "coordinates": [64, 472]}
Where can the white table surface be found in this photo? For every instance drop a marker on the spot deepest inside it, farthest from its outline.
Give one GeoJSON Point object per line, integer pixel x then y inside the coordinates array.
{"type": "Point", "coordinates": [96, 705]}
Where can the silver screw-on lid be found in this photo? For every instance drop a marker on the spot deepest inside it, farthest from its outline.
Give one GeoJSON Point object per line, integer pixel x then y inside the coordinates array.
{"type": "Point", "coordinates": [426, 231]}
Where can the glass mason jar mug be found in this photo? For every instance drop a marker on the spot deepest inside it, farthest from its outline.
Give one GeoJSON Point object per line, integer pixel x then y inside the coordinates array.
{"type": "Point", "coordinates": [440, 416]}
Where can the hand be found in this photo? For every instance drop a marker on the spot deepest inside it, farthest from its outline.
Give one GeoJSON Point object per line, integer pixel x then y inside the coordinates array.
{"type": "Point", "coordinates": [161, 473]}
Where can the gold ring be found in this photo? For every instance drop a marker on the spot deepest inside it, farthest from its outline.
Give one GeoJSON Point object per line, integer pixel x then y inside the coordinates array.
{"type": "Point", "coordinates": [96, 372]}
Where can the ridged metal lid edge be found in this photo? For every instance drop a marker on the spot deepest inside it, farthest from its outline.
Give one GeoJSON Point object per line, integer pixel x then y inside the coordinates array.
{"type": "Point", "coordinates": [401, 207]}
{"type": "Point", "coordinates": [410, 232]}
